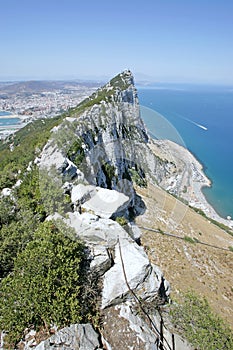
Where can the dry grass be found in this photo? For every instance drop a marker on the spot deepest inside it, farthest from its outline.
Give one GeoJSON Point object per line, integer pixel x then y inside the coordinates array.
{"type": "Point", "coordinates": [206, 270]}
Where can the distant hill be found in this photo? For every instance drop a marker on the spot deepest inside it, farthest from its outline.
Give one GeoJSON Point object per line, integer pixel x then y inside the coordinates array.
{"type": "Point", "coordinates": [35, 86]}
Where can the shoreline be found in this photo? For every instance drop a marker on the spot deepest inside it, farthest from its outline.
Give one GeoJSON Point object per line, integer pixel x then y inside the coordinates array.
{"type": "Point", "coordinates": [193, 178]}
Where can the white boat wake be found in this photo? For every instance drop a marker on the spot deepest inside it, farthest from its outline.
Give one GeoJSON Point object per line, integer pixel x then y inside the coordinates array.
{"type": "Point", "coordinates": [199, 125]}
{"type": "Point", "coordinates": [191, 121]}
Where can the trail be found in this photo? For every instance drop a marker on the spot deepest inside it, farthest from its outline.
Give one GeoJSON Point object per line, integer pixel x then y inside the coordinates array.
{"type": "Point", "coordinates": [191, 121]}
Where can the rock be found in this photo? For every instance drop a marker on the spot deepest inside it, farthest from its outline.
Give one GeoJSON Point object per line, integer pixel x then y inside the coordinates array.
{"type": "Point", "coordinates": [6, 192]}
{"type": "Point", "coordinates": [100, 235]}
{"type": "Point", "coordinates": [82, 193]}
{"type": "Point", "coordinates": [101, 260]}
{"type": "Point", "coordinates": [124, 327]}
{"type": "Point", "coordinates": [29, 168]}
{"type": "Point", "coordinates": [106, 202]}
{"type": "Point", "coordinates": [135, 231]}
{"type": "Point", "coordinates": [18, 183]}
{"type": "Point", "coordinates": [51, 156]}
{"type": "Point", "coordinates": [67, 186]}
{"type": "Point", "coordinates": [72, 171]}
{"type": "Point", "coordinates": [142, 277]}
{"type": "Point", "coordinates": [76, 337]}
{"type": "Point", "coordinates": [30, 334]}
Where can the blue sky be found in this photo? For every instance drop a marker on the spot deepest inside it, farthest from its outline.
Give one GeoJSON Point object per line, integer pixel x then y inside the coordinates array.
{"type": "Point", "coordinates": [169, 40]}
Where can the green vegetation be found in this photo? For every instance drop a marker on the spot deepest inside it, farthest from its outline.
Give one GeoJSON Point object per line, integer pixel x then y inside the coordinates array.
{"type": "Point", "coordinates": [51, 192]}
{"type": "Point", "coordinates": [43, 277]}
{"type": "Point", "coordinates": [219, 224]}
{"type": "Point", "coordinates": [194, 319]}
{"type": "Point", "coordinates": [121, 220]}
{"type": "Point", "coordinates": [76, 153]}
{"type": "Point", "coordinates": [231, 249]}
{"type": "Point", "coordinates": [26, 143]}
{"type": "Point", "coordinates": [138, 177]}
{"type": "Point", "coordinates": [118, 82]}
{"type": "Point", "coordinates": [190, 240]}
{"type": "Point", "coordinates": [44, 286]}
{"type": "Point", "coordinates": [106, 93]}
{"type": "Point", "coordinates": [109, 171]}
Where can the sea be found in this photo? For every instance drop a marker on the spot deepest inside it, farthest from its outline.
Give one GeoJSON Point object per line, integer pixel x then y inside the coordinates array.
{"type": "Point", "coordinates": [199, 118]}
{"type": "Point", "coordinates": [6, 122]}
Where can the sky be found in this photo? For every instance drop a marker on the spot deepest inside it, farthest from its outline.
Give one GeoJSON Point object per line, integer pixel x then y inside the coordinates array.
{"type": "Point", "coordinates": [187, 41]}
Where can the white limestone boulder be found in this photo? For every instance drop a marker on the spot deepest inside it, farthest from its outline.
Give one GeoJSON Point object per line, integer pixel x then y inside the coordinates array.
{"type": "Point", "coordinates": [106, 202]}
{"type": "Point", "coordinates": [81, 193]}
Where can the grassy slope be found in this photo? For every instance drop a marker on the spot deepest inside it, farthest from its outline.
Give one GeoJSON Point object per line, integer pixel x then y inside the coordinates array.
{"type": "Point", "coordinates": [206, 270]}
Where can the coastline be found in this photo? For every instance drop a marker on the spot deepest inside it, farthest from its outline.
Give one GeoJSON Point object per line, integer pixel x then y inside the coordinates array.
{"type": "Point", "coordinates": [191, 179]}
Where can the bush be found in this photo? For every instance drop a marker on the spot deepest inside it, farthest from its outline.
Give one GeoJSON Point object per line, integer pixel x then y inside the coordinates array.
{"type": "Point", "coordinates": [44, 287]}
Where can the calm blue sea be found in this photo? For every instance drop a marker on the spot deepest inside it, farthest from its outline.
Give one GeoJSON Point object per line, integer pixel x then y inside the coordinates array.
{"type": "Point", "coordinates": [192, 110]}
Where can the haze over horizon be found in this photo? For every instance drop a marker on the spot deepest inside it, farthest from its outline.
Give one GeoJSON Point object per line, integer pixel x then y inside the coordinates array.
{"type": "Point", "coordinates": [177, 42]}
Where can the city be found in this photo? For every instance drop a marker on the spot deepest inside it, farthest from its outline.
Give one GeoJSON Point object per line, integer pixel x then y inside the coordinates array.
{"type": "Point", "coordinates": [39, 99]}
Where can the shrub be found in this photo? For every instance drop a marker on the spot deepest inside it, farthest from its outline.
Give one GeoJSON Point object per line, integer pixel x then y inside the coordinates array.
{"type": "Point", "coordinates": [44, 286]}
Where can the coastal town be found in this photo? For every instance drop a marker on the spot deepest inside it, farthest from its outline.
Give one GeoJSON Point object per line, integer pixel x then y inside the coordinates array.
{"type": "Point", "coordinates": [22, 102]}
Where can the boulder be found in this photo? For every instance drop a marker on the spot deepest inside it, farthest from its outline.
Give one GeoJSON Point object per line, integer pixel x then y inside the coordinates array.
{"type": "Point", "coordinates": [106, 202]}
{"type": "Point", "coordinates": [82, 193]}
{"type": "Point", "coordinates": [101, 260]}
